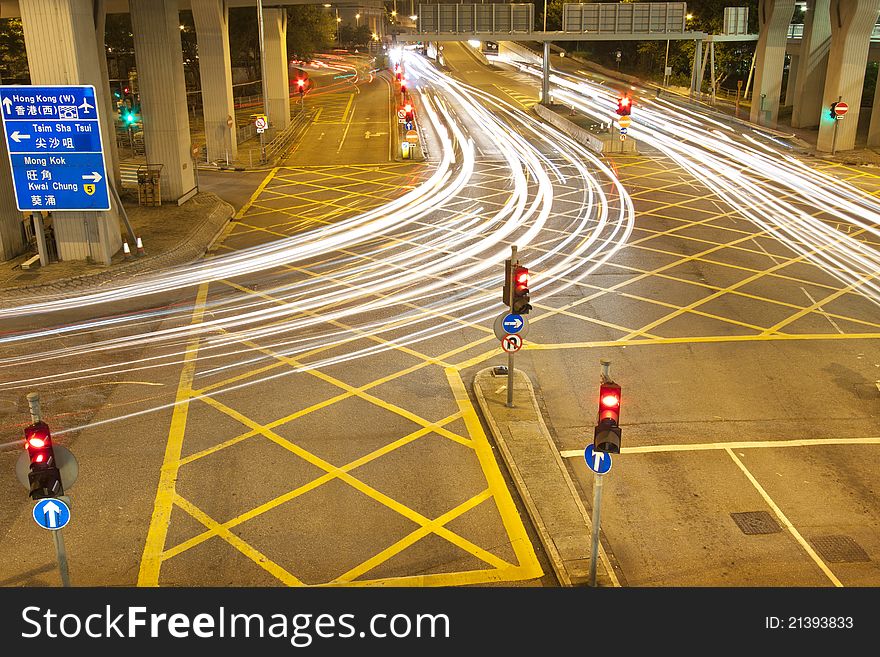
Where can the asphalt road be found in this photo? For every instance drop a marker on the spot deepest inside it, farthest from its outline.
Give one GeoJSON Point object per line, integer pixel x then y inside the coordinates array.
{"type": "Point", "coordinates": [732, 352]}
{"type": "Point", "coordinates": [750, 386]}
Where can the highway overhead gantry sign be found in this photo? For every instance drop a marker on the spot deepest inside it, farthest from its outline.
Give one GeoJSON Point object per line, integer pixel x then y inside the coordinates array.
{"type": "Point", "coordinates": [55, 147]}
{"type": "Point", "coordinates": [51, 513]}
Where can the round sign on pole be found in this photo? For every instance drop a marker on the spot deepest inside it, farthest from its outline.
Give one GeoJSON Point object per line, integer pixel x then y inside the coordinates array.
{"type": "Point", "coordinates": [229, 121]}
{"type": "Point", "coordinates": [624, 121]}
{"type": "Point", "coordinates": [261, 123]}
{"type": "Point", "coordinates": [598, 462]}
{"type": "Point", "coordinates": [195, 151]}
{"type": "Point", "coordinates": [412, 136]}
{"type": "Point", "coordinates": [401, 114]}
{"type": "Point", "coordinates": [841, 108]}
{"type": "Point", "coordinates": [64, 459]}
{"type": "Point", "coordinates": [501, 329]}
{"type": "Point", "coordinates": [51, 513]}
{"type": "Point", "coordinates": [511, 343]}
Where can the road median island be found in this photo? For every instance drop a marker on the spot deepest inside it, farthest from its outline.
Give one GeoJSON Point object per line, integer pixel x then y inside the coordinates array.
{"type": "Point", "coordinates": [172, 235]}
{"type": "Point", "coordinates": [550, 497]}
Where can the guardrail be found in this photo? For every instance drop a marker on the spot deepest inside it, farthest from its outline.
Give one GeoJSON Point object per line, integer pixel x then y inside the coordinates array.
{"type": "Point", "coordinates": [796, 31]}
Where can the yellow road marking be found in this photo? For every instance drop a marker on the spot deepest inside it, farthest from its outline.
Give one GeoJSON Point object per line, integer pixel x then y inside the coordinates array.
{"type": "Point", "coordinates": [151, 560]}
{"type": "Point", "coordinates": [239, 544]}
{"type": "Point", "coordinates": [516, 531]}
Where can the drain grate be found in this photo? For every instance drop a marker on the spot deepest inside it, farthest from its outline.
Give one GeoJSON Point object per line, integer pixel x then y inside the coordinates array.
{"type": "Point", "coordinates": [756, 522]}
{"type": "Point", "coordinates": [839, 549]}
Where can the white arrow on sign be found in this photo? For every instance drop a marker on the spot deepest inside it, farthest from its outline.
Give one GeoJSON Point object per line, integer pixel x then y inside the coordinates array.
{"type": "Point", "coordinates": [516, 323]}
{"type": "Point", "coordinates": [94, 176]}
{"type": "Point", "coordinates": [7, 104]}
{"type": "Point", "coordinates": [16, 136]}
{"type": "Point", "coordinates": [52, 511]}
{"type": "Point", "coordinates": [598, 457]}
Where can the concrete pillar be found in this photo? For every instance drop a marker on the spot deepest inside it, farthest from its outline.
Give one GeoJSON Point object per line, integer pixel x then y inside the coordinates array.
{"type": "Point", "coordinates": [792, 80]}
{"type": "Point", "coordinates": [215, 68]}
{"type": "Point", "coordinates": [11, 238]}
{"type": "Point", "coordinates": [698, 67]}
{"type": "Point", "coordinates": [159, 56]}
{"type": "Point", "coordinates": [852, 22]}
{"type": "Point", "coordinates": [62, 48]}
{"type": "Point", "coordinates": [874, 126]}
{"type": "Point", "coordinates": [812, 64]}
{"type": "Point", "coordinates": [277, 73]}
{"type": "Point", "coordinates": [109, 111]}
{"type": "Point", "coordinates": [774, 17]}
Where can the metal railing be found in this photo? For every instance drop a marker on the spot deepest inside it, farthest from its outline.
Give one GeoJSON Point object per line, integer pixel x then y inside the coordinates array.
{"type": "Point", "coordinates": [796, 31]}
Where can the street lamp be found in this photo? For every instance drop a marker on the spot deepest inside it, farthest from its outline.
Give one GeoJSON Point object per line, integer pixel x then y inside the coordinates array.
{"type": "Point", "coordinates": [357, 19]}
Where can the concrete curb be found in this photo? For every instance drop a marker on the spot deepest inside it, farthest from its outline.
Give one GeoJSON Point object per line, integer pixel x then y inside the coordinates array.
{"type": "Point", "coordinates": [191, 248]}
{"type": "Point", "coordinates": [541, 478]}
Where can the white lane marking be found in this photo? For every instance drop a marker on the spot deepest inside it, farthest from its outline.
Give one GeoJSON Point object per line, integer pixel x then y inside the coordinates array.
{"type": "Point", "coordinates": [754, 444]}
{"type": "Point", "coordinates": [822, 312]}
{"type": "Point", "coordinates": [785, 521]}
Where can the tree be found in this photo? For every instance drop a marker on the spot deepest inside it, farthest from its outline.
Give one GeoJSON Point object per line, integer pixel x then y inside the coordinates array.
{"type": "Point", "coordinates": [310, 29]}
{"type": "Point", "coordinates": [13, 58]}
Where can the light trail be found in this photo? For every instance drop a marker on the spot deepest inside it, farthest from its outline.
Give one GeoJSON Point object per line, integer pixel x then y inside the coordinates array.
{"type": "Point", "coordinates": [420, 266]}
{"type": "Point", "coordinates": [750, 170]}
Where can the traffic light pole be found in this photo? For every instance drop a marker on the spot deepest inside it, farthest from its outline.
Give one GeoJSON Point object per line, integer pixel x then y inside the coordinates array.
{"type": "Point", "coordinates": [597, 497]}
{"type": "Point", "coordinates": [33, 399]}
{"type": "Point", "coordinates": [597, 510]}
{"type": "Point", "coordinates": [834, 136]}
{"type": "Point", "coordinates": [511, 283]}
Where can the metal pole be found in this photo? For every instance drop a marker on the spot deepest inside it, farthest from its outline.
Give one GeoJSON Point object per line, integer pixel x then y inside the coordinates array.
{"type": "Point", "coordinates": [751, 71]}
{"type": "Point", "coordinates": [33, 399]}
{"type": "Point", "coordinates": [834, 136]}
{"type": "Point", "coordinates": [712, 69]}
{"type": "Point", "coordinates": [510, 353]}
{"type": "Point", "coordinates": [739, 86]}
{"type": "Point", "coordinates": [594, 545]}
{"type": "Point", "coordinates": [545, 15]}
{"type": "Point", "coordinates": [545, 76]}
{"type": "Point", "coordinates": [262, 57]}
{"type": "Point", "coordinates": [61, 553]}
{"type": "Point", "coordinates": [666, 66]}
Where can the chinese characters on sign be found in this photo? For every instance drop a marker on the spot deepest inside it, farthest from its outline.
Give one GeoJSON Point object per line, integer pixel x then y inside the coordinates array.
{"type": "Point", "coordinates": [55, 147]}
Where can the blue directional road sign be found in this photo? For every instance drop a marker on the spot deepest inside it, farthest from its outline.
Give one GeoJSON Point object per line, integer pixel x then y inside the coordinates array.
{"type": "Point", "coordinates": [51, 513]}
{"type": "Point", "coordinates": [513, 323]}
{"type": "Point", "coordinates": [55, 148]}
{"type": "Point", "coordinates": [598, 462]}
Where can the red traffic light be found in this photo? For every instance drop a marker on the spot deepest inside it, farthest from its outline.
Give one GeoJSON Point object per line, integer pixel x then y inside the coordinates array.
{"type": "Point", "coordinates": [38, 443]}
{"type": "Point", "coordinates": [624, 106]}
{"type": "Point", "coordinates": [521, 295]}
{"type": "Point", "coordinates": [301, 83]}
{"type": "Point", "coordinates": [521, 279]}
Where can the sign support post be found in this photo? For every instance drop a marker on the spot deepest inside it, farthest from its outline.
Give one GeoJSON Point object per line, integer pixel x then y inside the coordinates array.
{"type": "Point", "coordinates": [834, 136]}
{"type": "Point", "coordinates": [33, 399]}
{"type": "Point", "coordinates": [597, 511]}
{"type": "Point", "coordinates": [510, 353]}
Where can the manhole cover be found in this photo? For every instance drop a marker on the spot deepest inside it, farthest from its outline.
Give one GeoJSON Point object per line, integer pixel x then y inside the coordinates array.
{"type": "Point", "coordinates": [756, 522]}
{"type": "Point", "coordinates": [839, 549]}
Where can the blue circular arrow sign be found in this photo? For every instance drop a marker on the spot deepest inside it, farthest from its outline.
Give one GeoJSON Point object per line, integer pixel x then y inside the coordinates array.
{"type": "Point", "coordinates": [513, 323]}
{"type": "Point", "coordinates": [598, 462]}
{"type": "Point", "coordinates": [51, 513]}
